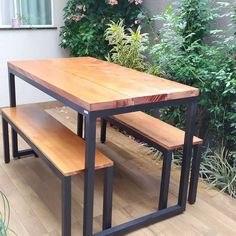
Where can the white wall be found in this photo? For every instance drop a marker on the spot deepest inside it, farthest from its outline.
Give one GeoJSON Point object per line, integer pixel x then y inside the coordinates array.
{"type": "Point", "coordinates": [24, 45]}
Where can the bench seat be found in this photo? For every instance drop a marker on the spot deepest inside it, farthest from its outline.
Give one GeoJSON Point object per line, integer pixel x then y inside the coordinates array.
{"type": "Point", "coordinates": [154, 129]}
{"type": "Point", "coordinates": [165, 138]}
{"type": "Point", "coordinates": [64, 149]}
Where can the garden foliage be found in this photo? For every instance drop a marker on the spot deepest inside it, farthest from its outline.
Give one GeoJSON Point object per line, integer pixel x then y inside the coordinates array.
{"type": "Point", "coordinates": [128, 46]}
{"type": "Point", "coordinates": [219, 171]}
{"type": "Point", "coordinates": [86, 22]}
{"type": "Point", "coordinates": [183, 54]}
{"type": "Point", "coordinates": [192, 52]}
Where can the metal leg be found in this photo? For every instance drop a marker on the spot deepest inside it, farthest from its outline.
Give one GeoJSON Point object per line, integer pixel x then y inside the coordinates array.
{"type": "Point", "coordinates": [89, 175]}
{"type": "Point", "coordinates": [84, 137]}
{"type": "Point", "coordinates": [194, 174]}
{"type": "Point", "coordinates": [6, 147]}
{"type": "Point", "coordinates": [103, 131]}
{"type": "Point", "coordinates": [165, 180]}
{"type": "Point", "coordinates": [80, 120]}
{"type": "Point", "coordinates": [12, 96]}
{"type": "Point", "coordinates": [107, 198]}
{"type": "Point", "coordinates": [187, 153]}
{"type": "Point", "coordinates": [66, 205]}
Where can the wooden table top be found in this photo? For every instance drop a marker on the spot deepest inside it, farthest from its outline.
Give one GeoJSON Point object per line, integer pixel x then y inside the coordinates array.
{"type": "Point", "coordinates": [96, 85]}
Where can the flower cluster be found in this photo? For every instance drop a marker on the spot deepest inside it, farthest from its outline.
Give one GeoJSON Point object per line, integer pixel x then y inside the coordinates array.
{"type": "Point", "coordinates": [86, 22]}
{"type": "Point", "coordinates": [81, 7]}
{"type": "Point", "coordinates": [136, 2]}
{"type": "Point", "coordinates": [75, 17]}
{"type": "Point", "coordinates": [112, 2]}
{"type": "Point", "coordinates": [115, 2]}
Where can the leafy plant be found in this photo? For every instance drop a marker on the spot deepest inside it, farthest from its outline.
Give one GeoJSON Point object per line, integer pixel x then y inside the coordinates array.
{"type": "Point", "coordinates": [183, 55]}
{"type": "Point", "coordinates": [189, 12]}
{"type": "Point", "coordinates": [128, 46]}
{"type": "Point", "coordinates": [218, 171]}
{"type": "Point", "coordinates": [86, 22]}
{"type": "Point", "coordinates": [5, 216]}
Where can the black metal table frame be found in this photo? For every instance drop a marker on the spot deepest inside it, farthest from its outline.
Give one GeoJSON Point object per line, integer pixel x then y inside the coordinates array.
{"type": "Point", "coordinates": [90, 126]}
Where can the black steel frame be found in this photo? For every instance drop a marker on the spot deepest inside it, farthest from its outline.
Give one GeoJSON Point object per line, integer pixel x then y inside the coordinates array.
{"type": "Point", "coordinates": [166, 161]}
{"type": "Point", "coordinates": [15, 151]}
{"type": "Point", "coordinates": [197, 150]}
{"type": "Point", "coordinates": [90, 120]}
{"type": "Point", "coordinates": [65, 180]}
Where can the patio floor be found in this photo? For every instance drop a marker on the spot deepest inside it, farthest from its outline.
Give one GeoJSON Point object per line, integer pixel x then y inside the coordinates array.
{"type": "Point", "coordinates": [34, 193]}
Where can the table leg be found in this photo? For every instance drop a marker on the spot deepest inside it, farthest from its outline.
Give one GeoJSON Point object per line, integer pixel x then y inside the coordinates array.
{"type": "Point", "coordinates": [89, 175]}
{"type": "Point", "coordinates": [6, 148]}
{"type": "Point", "coordinates": [194, 174]}
{"type": "Point", "coordinates": [107, 198]}
{"type": "Point", "coordinates": [66, 205]}
{"type": "Point", "coordinates": [80, 119]}
{"type": "Point", "coordinates": [165, 180]}
{"type": "Point", "coordinates": [12, 96]}
{"type": "Point", "coordinates": [187, 154]}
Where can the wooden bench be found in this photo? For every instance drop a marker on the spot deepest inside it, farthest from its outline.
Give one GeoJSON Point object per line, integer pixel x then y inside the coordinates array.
{"type": "Point", "coordinates": [61, 149]}
{"type": "Point", "coordinates": [164, 137]}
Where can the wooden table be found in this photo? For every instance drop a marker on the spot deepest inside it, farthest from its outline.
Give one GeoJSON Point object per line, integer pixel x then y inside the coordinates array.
{"type": "Point", "coordinates": [96, 88]}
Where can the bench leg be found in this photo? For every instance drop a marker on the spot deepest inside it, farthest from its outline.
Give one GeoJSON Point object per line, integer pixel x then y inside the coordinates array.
{"type": "Point", "coordinates": [194, 174]}
{"type": "Point", "coordinates": [80, 120]}
{"type": "Point", "coordinates": [187, 154]}
{"type": "Point", "coordinates": [107, 198]}
{"type": "Point", "coordinates": [66, 205]}
{"type": "Point", "coordinates": [14, 143]}
{"type": "Point", "coordinates": [165, 180]}
{"type": "Point", "coordinates": [103, 131]}
{"type": "Point", "coordinates": [6, 147]}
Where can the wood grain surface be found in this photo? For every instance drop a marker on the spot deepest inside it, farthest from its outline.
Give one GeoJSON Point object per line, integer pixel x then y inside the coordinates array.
{"type": "Point", "coordinates": [58, 144]}
{"type": "Point", "coordinates": [154, 129]}
{"type": "Point", "coordinates": [95, 84]}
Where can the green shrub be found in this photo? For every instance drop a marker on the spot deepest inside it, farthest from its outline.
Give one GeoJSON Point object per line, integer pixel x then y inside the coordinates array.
{"type": "Point", "coordinates": [182, 55]}
{"type": "Point", "coordinates": [86, 21]}
{"type": "Point", "coordinates": [128, 46]}
{"type": "Point", "coordinates": [217, 169]}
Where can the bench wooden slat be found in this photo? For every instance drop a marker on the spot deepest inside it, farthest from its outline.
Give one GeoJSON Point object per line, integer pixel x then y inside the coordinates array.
{"type": "Point", "coordinates": [154, 129]}
{"type": "Point", "coordinates": [58, 144]}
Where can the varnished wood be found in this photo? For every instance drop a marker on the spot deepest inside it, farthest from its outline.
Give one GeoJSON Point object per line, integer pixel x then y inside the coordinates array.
{"type": "Point", "coordinates": [60, 145]}
{"type": "Point", "coordinates": [95, 84]}
{"type": "Point", "coordinates": [154, 129]}
{"type": "Point", "coordinates": [34, 193]}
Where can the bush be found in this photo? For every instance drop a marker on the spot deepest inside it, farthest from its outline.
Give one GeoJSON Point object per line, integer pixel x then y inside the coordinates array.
{"type": "Point", "coordinates": [183, 55]}
{"type": "Point", "coordinates": [217, 169]}
{"type": "Point", "coordinates": [128, 46]}
{"type": "Point", "coordinates": [86, 21]}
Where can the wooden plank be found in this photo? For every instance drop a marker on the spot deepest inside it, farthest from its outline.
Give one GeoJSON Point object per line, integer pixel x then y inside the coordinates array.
{"type": "Point", "coordinates": [74, 88]}
{"type": "Point", "coordinates": [95, 84]}
{"type": "Point", "coordinates": [154, 129]}
{"type": "Point", "coordinates": [59, 145]}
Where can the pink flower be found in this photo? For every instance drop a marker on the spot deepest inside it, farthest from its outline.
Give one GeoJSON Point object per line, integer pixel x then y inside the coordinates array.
{"type": "Point", "coordinates": [112, 2]}
{"type": "Point", "coordinates": [80, 7]}
{"type": "Point", "coordinates": [75, 17]}
{"type": "Point", "coordinates": [136, 2]}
